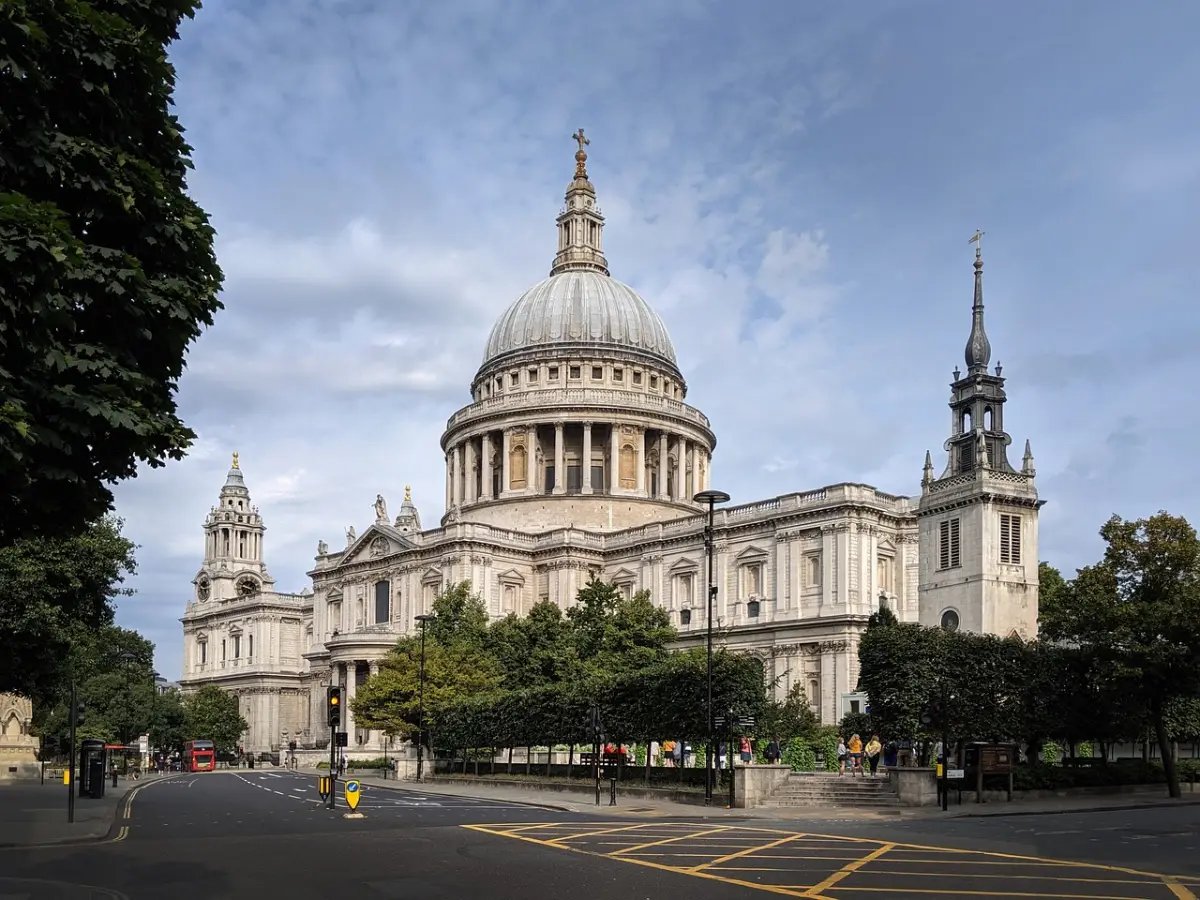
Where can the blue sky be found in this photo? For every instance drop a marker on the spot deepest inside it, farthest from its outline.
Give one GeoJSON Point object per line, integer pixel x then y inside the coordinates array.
{"type": "Point", "coordinates": [791, 188]}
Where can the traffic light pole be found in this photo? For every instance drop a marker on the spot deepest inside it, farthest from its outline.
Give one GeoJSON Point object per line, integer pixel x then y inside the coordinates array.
{"type": "Point", "coordinates": [71, 759]}
{"type": "Point", "coordinates": [332, 802]}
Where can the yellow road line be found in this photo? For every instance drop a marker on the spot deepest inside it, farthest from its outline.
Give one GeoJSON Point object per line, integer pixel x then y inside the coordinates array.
{"type": "Point", "coordinates": [1178, 889]}
{"type": "Point", "coordinates": [847, 870]}
{"type": "Point", "coordinates": [961, 893]}
{"type": "Point", "coordinates": [667, 840]}
{"type": "Point", "coordinates": [731, 856]}
{"type": "Point", "coordinates": [591, 833]}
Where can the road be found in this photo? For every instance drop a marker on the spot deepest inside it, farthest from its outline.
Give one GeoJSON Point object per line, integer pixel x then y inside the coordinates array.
{"type": "Point", "coordinates": [242, 835]}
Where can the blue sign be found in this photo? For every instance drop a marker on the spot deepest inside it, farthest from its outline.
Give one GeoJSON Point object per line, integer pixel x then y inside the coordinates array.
{"type": "Point", "coordinates": [352, 793]}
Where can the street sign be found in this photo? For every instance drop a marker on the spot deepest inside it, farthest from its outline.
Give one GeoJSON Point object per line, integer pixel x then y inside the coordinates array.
{"type": "Point", "coordinates": [956, 773]}
{"type": "Point", "coordinates": [353, 793]}
{"type": "Point", "coordinates": [343, 739]}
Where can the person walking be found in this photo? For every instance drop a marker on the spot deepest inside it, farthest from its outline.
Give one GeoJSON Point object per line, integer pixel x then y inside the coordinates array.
{"type": "Point", "coordinates": [772, 753]}
{"type": "Point", "coordinates": [841, 756]}
{"type": "Point", "coordinates": [855, 747]}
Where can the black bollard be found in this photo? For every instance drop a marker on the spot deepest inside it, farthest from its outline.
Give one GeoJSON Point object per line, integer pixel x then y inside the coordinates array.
{"type": "Point", "coordinates": [612, 789]}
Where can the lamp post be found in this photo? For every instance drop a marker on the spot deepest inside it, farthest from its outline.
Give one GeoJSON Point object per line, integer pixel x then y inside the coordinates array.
{"type": "Point", "coordinates": [424, 619]}
{"type": "Point", "coordinates": [711, 498]}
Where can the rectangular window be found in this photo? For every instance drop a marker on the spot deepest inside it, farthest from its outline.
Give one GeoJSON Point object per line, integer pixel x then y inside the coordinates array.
{"type": "Point", "coordinates": [383, 601]}
{"type": "Point", "coordinates": [813, 572]}
{"type": "Point", "coordinates": [204, 653]}
{"type": "Point", "coordinates": [553, 373]}
{"type": "Point", "coordinates": [250, 646]}
{"type": "Point", "coordinates": [637, 377]}
{"type": "Point", "coordinates": [533, 376]}
{"type": "Point", "coordinates": [549, 478]}
{"type": "Point", "coordinates": [575, 372]}
{"type": "Point", "coordinates": [653, 382]}
{"type": "Point", "coordinates": [949, 548]}
{"type": "Point", "coordinates": [597, 478]}
{"type": "Point", "coordinates": [1010, 539]}
{"type": "Point", "coordinates": [597, 373]}
{"type": "Point", "coordinates": [618, 376]}
{"type": "Point", "coordinates": [223, 657]}
{"type": "Point", "coordinates": [514, 379]}
{"type": "Point", "coordinates": [574, 479]}
{"type": "Point", "coordinates": [685, 617]}
{"type": "Point", "coordinates": [237, 646]}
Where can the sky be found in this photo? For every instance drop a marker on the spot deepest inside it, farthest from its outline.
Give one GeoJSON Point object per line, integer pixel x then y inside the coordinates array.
{"type": "Point", "coordinates": [791, 185]}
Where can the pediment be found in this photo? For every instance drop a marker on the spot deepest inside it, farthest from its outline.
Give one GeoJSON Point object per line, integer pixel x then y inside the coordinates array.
{"type": "Point", "coordinates": [886, 546]}
{"type": "Point", "coordinates": [511, 576]}
{"type": "Point", "coordinates": [235, 629]}
{"type": "Point", "coordinates": [622, 576]}
{"type": "Point", "coordinates": [430, 575]}
{"type": "Point", "coordinates": [376, 542]}
{"type": "Point", "coordinates": [752, 554]}
{"type": "Point", "coordinates": [202, 637]}
{"type": "Point", "coordinates": [334, 596]}
{"type": "Point", "coordinates": [684, 565]}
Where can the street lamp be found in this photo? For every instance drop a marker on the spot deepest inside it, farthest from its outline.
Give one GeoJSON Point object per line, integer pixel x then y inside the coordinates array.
{"type": "Point", "coordinates": [711, 498]}
{"type": "Point", "coordinates": [424, 619]}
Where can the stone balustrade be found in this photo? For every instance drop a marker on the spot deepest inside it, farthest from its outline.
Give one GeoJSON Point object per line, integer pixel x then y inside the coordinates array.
{"type": "Point", "coordinates": [609, 399]}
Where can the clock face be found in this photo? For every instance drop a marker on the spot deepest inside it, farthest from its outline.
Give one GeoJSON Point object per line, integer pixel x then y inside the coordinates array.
{"type": "Point", "coordinates": [247, 586]}
{"type": "Point", "coordinates": [203, 589]}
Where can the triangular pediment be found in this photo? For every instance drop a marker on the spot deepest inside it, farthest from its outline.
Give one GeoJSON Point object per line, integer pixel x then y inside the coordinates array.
{"type": "Point", "coordinates": [886, 546]}
{"type": "Point", "coordinates": [752, 553]}
{"type": "Point", "coordinates": [511, 576]}
{"type": "Point", "coordinates": [684, 565]}
{"type": "Point", "coordinates": [430, 575]}
{"type": "Point", "coordinates": [376, 542]}
{"type": "Point", "coordinates": [623, 575]}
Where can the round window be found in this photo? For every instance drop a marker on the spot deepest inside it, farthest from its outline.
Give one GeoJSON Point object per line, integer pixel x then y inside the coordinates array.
{"type": "Point", "coordinates": [950, 620]}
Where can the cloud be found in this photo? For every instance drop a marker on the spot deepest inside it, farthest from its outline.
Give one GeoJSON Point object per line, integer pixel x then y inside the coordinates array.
{"type": "Point", "coordinates": [790, 187]}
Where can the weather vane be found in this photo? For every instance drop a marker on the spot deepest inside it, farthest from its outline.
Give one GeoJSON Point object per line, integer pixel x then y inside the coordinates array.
{"type": "Point", "coordinates": [977, 240]}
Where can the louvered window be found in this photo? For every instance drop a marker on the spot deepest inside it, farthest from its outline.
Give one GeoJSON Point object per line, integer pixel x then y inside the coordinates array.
{"type": "Point", "coordinates": [1010, 539]}
{"type": "Point", "coordinates": [949, 549]}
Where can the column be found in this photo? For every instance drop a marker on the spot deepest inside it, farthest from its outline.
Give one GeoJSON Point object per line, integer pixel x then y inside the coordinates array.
{"type": "Point", "coordinates": [456, 477]}
{"type": "Point", "coordinates": [470, 495]}
{"type": "Point", "coordinates": [485, 467]}
{"type": "Point", "coordinates": [641, 460]}
{"type": "Point", "coordinates": [449, 481]}
{"type": "Point", "coordinates": [614, 458]}
{"type": "Point", "coordinates": [664, 471]}
{"type": "Point", "coordinates": [506, 447]}
{"type": "Point", "coordinates": [693, 459]}
{"type": "Point", "coordinates": [531, 445]}
{"type": "Point", "coordinates": [351, 690]}
{"type": "Point", "coordinates": [560, 481]}
{"type": "Point", "coordinates": [587, 457]}
{"type": "Point", "coordinates": [680, 451]}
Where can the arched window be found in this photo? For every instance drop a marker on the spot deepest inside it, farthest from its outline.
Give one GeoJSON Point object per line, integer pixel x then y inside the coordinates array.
{"type": "Point", "coordinates": [628, 466]}
{"type": "Point", "coordinates": [965, 423]}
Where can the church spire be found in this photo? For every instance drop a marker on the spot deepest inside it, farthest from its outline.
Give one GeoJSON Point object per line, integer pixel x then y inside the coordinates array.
{"type": "Point", "coordinates": [580, 224]}
{"type": "Point", "coordinates": [979, 348]}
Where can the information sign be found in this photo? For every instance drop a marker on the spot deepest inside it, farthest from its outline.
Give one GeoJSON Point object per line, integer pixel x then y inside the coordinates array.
{"type": "Point", "coordinates": [956, 773]}
{"type": "Point", "coordinates": [353, 793]}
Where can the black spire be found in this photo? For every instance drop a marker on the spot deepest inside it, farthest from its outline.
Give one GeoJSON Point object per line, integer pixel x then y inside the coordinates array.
{"type": "Point", "coordinates": [979, 348]}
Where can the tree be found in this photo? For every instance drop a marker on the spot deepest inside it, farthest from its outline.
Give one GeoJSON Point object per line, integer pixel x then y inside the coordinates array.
{"type": "Point", "coordinates": [54, 593]}
{"type": "Point", "coordinates": [534, 650]}
{"type": "Point", "coordinates": [611, 632]}
{"type": "Point", "coordinates": [460, 617]}
{"type": "Point", "coordinates": [792, 718]}
{"type": "Point", "coordinates": [109, 271]}
{"type": "Point", "coordinates": [212, 715]}
{"type": "Point", "coordinates": [390, 699]}
{"type": "Point", "coordinates": [1139, 610]}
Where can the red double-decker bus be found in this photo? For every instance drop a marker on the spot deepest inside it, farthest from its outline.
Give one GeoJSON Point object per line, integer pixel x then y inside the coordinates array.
{"type": "Point", "coordinates": [199, 756]}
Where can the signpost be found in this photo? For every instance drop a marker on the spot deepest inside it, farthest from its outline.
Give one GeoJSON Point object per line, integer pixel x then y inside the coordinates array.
{"type": "Point", "coordinates": [734, 726]}
{"type": "Point", "coordinates": [353, 793]}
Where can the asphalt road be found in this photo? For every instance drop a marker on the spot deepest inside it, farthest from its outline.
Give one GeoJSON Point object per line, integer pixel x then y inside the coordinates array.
{"type": "Point", "coordinates": [260, 835]}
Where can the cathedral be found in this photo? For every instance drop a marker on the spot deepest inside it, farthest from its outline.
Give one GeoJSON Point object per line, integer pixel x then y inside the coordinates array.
{"type": "Point", "coordinates": [579, 457]}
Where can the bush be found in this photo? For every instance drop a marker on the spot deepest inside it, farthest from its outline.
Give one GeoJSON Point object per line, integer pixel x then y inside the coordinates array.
{"type": "Point", "coordinates": [800, 755]}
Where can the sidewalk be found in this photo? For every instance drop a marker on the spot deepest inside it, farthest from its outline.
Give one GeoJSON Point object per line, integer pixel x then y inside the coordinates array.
{"type": "Point", "coordinates": [571, 801]}
{"type": "Point", "coordinates": [33, 813]}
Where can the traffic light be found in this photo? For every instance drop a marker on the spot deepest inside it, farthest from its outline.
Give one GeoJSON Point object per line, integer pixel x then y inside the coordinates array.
{"type": "Point", "coordinates": [79, 716]}
{"type": "Point", "coordinates": [333, 704]}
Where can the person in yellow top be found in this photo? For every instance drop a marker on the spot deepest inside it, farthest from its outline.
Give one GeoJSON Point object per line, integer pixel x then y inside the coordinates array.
{"type": "Point", "coordinates": [855, 750]}
{"type": "Point", "coordinates": [874, 749]}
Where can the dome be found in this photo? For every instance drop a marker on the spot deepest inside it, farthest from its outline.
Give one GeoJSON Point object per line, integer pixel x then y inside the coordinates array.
{"type": "Point", "coordinates": [580, 308]}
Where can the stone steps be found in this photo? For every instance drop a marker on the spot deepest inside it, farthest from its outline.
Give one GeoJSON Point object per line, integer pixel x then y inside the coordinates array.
{"type": "Point", "coordinates": [833, 791]}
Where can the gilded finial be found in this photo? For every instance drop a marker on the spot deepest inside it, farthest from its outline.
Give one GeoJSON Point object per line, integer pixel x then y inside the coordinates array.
{"type": "Point", "coordinates": [235, 460]}
{"type": "Point", "coordinates": [408, 493]}
{"type": "Point", "coordinates": [580, 154]}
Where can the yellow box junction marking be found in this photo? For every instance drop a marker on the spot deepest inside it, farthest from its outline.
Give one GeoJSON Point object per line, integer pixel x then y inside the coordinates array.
{"type": "Point", "coordinates": [825, 867]}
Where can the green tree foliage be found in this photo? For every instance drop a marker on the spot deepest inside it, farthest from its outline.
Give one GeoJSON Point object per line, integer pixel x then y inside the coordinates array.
{"type": "Point", "coordinates": [460, 617]}
{"type": "Point", "coordinates": [791, 719]}
{"type": "Point", "coordinates": [210, 714]}
{"type": "Point", "coordinates": [666, 699]}
{"type": "Point", "coordinates": [1051, 586]}
{"type": "Point", "coordinates": [610, 632]}
{"type": "Point", "coordinates": [109, 271]}
{"type": "Point", "coordinates": [56, 592]}
{"type": "Point", "coordinates": [1138, 610]}
{"type": "Point", "coordinates": [536, 649]}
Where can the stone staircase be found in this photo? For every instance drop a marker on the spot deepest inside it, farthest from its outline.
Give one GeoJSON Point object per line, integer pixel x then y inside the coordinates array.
{"type": "Point", "coordinates": [822, 789]}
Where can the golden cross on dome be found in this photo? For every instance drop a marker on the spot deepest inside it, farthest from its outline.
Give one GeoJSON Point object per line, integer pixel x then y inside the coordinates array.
{"type": "Point", "coordinates": [235, 460]}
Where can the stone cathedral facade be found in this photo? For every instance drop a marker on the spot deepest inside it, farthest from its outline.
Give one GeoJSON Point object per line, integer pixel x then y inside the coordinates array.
{"type": "Point", "coordinates": [578, 457]}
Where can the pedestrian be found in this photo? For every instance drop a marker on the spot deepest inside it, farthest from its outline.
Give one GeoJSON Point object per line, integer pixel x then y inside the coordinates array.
{"type": "Point", "coordinates": [772, 753]}
{"type": "Point", "coordinates": [841, 756]}
{"type": "Point", "coordinates": [874, 748]}
{"type": "Point", "coordinates": [855, 747]}
{"type": "Point", "coordinates": [747, 752]}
